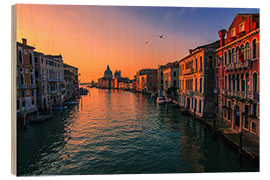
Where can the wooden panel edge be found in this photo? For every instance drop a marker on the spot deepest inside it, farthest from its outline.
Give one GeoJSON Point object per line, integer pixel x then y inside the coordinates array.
{"type": "Point", "coordinates": [13, 91]}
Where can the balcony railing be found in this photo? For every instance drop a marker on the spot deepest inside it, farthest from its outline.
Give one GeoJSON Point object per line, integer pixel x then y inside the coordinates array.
{"type": "Point", "coordinates": [254, 96]}
{"type": "Point", "coordinates": [188, 71]}
{"type": "Point", "coordinates": [239, 65]}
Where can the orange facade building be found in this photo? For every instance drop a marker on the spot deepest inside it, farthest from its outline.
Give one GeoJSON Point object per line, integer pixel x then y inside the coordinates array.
{"type": "Point", "coordinates": [25, 76]}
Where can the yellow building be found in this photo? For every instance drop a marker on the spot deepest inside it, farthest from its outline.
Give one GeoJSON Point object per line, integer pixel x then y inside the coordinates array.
{"type": "Point", "coordinates": [196, 80]}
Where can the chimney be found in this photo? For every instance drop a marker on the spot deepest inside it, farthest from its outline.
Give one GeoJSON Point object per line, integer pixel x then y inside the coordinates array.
{"type": "Point", "coordinates": [24, 41]}
{"type": "Point", "coordinates": [222, 34]}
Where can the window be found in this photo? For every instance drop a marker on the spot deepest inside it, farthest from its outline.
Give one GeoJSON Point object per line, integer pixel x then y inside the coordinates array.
{"type": "Point", "coordinates": [233, 81]}
{"type": "Point", "coordinates": [200, 104]}
{"type": "Point", "coordinates": [255, 88]}
{"type": "Point", "coordinates": [243, 83]}
{"type": "Point", "coordinates": [195, 84]}
{"type": "Point", "coordinates": [254, 49]}
{"type": "Point", "coordinates": [230, 87]}
{"type": "Point", "coordinates": [41, 60]}
{"type": "Point", "coordinates": [230, 57]}
{"type": "Point", "coordinates": [32, 92]}
{"type": "Point", "coordinates": [225, 58]}
{"type": "Point", "coordinates": [201, 63]}
{"type": "Point", "coordinates": [247, 82]}
{"type": "Point", "coordinates": [30, 58]}
{"type": "Point", "coordinates": [254, 127]}
{"type": "Point", "coordinates": [20, 55]}
{"type": "Point", "coordinates": [233, 56]}
{"type": "Point", "coordinates": [236, 54]}
{"type": "Point", "coordinates": [200, 85]}
{"type": "Point", "coordinates": [246, 122]}
{"type": "Point", "coordinates": [225, 82]}
{"type": "Point", "coordinates": [174, 83]}
{"type": "Point", "coordinates": [233, 32]}
{"type": "Point", "coordinates": [237, 83]}
{"type": "Point", "coordinates": [247, 52]}
{"type": "Point", "coordinates": [196, 64]}
{"type": "Point", "coordinates": [36, 60]}
{"type": "Point", "coordinates": [22, 94]}
{"type": "Point", "coordinates": [254, 109]}
{"type": "Point", "coordinates": [33, 102]}
{"type": "Point", "coordinates": [22, 79]}
{"type": "Point", "coordinates": [174, 73]}
{"type": "Point", "coordinates": [242, 27]}
{"type": "Point", "coordinates": [18, 104]}
{"type": "Point", "coordinates": [31, 79]}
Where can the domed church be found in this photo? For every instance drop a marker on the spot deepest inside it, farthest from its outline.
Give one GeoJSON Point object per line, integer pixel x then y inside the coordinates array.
{"type": "Point", "coordinates": [108, 73]}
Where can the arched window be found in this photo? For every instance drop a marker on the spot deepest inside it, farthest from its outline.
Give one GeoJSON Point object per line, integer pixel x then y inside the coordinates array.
{"type": "Point", "coordinates": [233, 81]}
{"type": "Point", "coordinates": [247, 51]}
{"type": "Point", "coordinates": [233, 56]}
{"type": "Point", "coordinates": [201, 63]}
{"type": "Point", "coordinates": [230, 56]}
{"type": "Point", "coordinates": [30, 58]}
{"type": "Point", "coordinates": [22, 79]}
{"type": "Point", "coordinates": [196, 65]}
{"type": "Point", "coordinates": [230, 83]}
{"type": "Point", "coordinates": [225, 82]}
{"type": "Point", "coordinates": [255, 83]}
{"type": "Point", "coordinates": [242, 83]}
{"type": "Point", "coordinates": [242, 50]}
{"type": "Point", "coordinates": [225, 58]}
{"type": "Point", "coordinates": [195, 84]}
{"type": "Point", "coordinates": [247, 82]}
{"type": "Point", "coordinates": [200, 84]}
{"type": "Point", "coordinates": [31, 79]}
{"type": "Point", "coordinates": [236, 54]}
{"type": "Point", "coordinates": [237, 83]}
{"type": "Point", "coordinates": [254, 48]}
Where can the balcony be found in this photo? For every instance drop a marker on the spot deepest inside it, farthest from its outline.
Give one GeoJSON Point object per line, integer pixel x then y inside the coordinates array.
{"type": "Point", "coordinates": [244, 95]}
{"type": "Point", "coordinates": [239, 65]}
{"type": "Point", "coordinates": [189, 92]}
{"type": "Point", "coordinates": [188, 71]}
{"type": "Point", "coordinates": [229, 67]}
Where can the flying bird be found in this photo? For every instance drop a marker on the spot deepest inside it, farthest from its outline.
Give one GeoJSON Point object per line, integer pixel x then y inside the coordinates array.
{"type": "Point", "coordinates": [161, 36]}
{"type": "Point", "coordinates": [146, 42]}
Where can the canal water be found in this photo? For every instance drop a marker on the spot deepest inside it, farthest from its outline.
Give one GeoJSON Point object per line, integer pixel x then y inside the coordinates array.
{"type": "Point", "coordinates": [120, 132]}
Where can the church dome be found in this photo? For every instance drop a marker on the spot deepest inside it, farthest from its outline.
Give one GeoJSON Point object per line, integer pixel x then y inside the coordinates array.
{"type": "Point", "coordinates": [108, 72]}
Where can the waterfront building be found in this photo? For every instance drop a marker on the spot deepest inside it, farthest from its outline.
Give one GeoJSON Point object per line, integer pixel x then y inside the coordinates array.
{"type": "Point", "coordinates": [238, 74]}
{"type": "Point", "coordinates": [168, 77]}
{"type": "Point", "coordinates": [71, 81]}
{"type": "Point", "coordinates": [107, 80]}
{"type": "Point", "coordinates": [42, 93]}
{"type": "Point", "coordinates": [196, 80]}
{"type": "Point", "coordinates": [55, 76]}
{"type": "Point", "coordinates": [160, 80]}
{"type": "Point", "coordinates": [25, 77]}
{"type": "Point", "coordinates": [146, 80]}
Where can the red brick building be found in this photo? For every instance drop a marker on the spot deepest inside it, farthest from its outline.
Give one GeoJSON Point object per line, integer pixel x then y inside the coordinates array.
{"type": "Point", "coordinates": [238, 74]}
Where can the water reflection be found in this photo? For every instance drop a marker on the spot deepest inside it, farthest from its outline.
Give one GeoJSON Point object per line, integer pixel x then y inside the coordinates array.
{"type": "Point", "coordinates": [111, 132]}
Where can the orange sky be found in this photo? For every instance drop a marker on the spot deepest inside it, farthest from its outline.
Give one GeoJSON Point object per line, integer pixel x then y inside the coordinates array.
{"type": "Point", "coordinates": [90, 37]}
